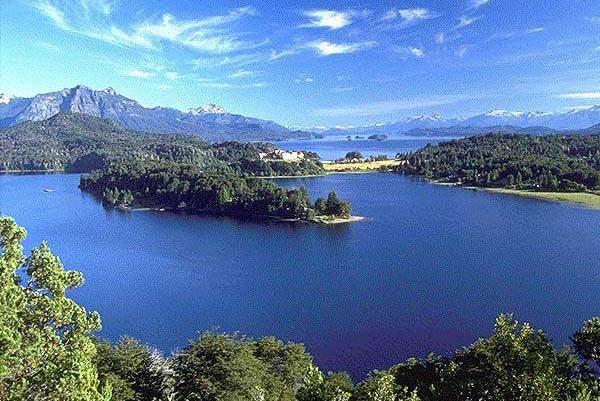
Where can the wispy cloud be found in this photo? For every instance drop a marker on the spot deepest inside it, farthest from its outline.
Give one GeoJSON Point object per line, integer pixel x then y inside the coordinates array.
{"type": "Point", "coordinates": [306, 80]}
{"type": "Point", "coordinates": [136, 73]}
{"type": "Point", "coordinates": [409, 51]}
{"type": "Point", "coordinates": [417, 52]}
{"type": "Point", "coordinates": [409, 16]}
{"type": "Point", "coordinates": [594, 19]}
{"type": "Point", "coordinates": [209, 84]}
{"type": "Point", "coordinates": [237, 60]}
{"type": "Point", "coordinates": [91, 18]}
{"type": "Point", "coordinates": [173, 75]}
{"type": "Point", "coordinates": [465, 21]}
{"type": "Point", "coordinates": [478, 3]}
{"type": "Point", "coordinates": [515, 34]}
{"type": "Point", "coordinates": [48, 46]}
{"type": "Point", "coordinates": [239, 74]}
{"type": "Point", "coordinates": [381, 108]}
{"type": "Point", "coordinates": [276, 55]}
{"type": "Point", "coordinates": [53, 14]}
{"type": "Point", "coordinates": [329, 19]}
{"type": "Point", "coordinates": [580, 95]}
{"type": "Point", "coordinates": [462, 51]}
{"type": "Point", "coordinates": [207, 34]}
{"type": "Point", "coordinates": [325, 48]}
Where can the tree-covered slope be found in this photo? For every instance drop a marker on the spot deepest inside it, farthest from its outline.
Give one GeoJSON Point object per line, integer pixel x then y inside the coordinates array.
{"type": "Point", "coordinates": [548, 163]}
{"type": "Point", "coordinates": [178, 186]}
{"type": "Point", "coordinates": [78, 142]}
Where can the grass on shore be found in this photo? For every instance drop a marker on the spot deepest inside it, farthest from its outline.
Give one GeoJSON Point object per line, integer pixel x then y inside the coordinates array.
{"type": "Point", "coordinates": [359, 166]}
{"type": "Point", "coordinates": [587, 199]}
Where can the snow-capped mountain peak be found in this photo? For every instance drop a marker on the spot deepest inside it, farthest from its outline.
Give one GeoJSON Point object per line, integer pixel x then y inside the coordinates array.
{"type": "Point", "coordinates": [504, 114]}
{"type": "Point", "coordinates": [433, 117]}
{"type": "Point", "coordinates": [210, 108]}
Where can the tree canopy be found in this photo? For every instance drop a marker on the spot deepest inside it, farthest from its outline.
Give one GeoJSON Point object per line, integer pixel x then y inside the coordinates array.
{"type": "Point", "coordinates": [541, 163]}
{"type": "Point", "coordinates": [178, 186]}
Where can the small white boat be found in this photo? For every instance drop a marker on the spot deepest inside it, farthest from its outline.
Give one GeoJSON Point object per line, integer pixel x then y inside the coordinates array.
{"type": "Point", "coordinates": [48, 190]}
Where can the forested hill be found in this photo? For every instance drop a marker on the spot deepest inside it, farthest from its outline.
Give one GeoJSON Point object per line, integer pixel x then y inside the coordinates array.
{"type": "Point", "coordinates": [548, 163]}
{"type": "Point", "coordinates": [77, 142]}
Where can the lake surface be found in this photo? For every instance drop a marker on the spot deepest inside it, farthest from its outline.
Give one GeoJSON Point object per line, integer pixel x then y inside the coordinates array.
{"type": "Point", "coordinates": [331, 148]}
{"type": "Point", "coordinates": [428, 270]}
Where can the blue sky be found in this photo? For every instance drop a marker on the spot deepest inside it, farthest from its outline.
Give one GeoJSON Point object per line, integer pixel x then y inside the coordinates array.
{"type": "Point", "coordinates": [309, 63]}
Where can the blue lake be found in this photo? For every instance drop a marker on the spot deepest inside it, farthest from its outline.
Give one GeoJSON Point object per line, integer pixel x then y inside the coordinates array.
{"type": "Point", "coordinates": [331, 148]}
{"type": "Point", "coordinates": [428, 270]}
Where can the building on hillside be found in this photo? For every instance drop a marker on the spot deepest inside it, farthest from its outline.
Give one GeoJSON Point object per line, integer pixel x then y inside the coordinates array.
{"type": "Point", "coordinates": [286, 156]}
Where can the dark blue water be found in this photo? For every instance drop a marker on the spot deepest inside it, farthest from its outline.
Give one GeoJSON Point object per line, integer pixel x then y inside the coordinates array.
{"type": "Point", "coordinates": [336, 147]}
{"type": "Point", "coordinates": [428, 270]}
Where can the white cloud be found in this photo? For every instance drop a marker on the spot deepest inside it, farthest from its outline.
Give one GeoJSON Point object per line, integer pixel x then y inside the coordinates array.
{"type": "Point", "coordinates": [440, 38]}
{"type": "Point", "coordinates": [462, 51]}
{"type": "Point", "coordinates": [237, 60]}
{"type": "Point", "coordinates": [210, 84]}
{"type": "Point", "coordinates": [306, 80]}
{"type": "Point", "coordinates": [327, 19]}
{"type": "Point", "coordinates": [91, 18]}
{"type": "Point", "coordinates": [241, 74]}
{"type": "Point", "coordinates": [594, 20]}
{"type": "Point", "coordinates": [325, 48]}
{"type": "Point", "coordinates": [53, 14]}
{"type": "Point", "coordinates": [173, 75]}
{"type": "Point", "coordinates": [409, 15]}
{"type": "Point", "coordinates": [514, 34]}
{"type": "Point", "coordinates": [415, 51]}
{"type": "Point", "coordinates": [101, 6]}
{"type": "Point", "coordinates": [208, 34]}
{"type": "Point", "coordinates": [136, 73]}
{"type": "Point", "coordinates": [465, 21]}
{"type": "Point", "coordinates": [535, 30]}
{"type": "Point", "coordinates": [581, 95]}
{"type": "Point", "coordinates": [381, 108]}
{"type": "Point", "coordinates": [478, 3]}
{"type": "Point", "coordinates": [48, 46]}
{"type": "Point", "coordinates": [276, 55]}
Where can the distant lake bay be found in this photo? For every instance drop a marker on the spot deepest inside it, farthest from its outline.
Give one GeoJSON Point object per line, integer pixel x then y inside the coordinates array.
{"type": "Point", "coordinates": [331, 148]}
{"type": "Point", "coordinates": [428, 270]}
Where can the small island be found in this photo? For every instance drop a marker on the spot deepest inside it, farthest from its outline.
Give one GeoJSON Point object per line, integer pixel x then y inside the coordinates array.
{"type": "Point", "coordinates": [185, 188]}
{"type": "Point", "coordinates": [563, 168]}
{"type": "Point", "coordinates": [378, 137]}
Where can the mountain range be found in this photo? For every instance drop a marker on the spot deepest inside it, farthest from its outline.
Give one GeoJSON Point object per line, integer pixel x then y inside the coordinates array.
{"type": "Point", "coordinates": [212, 122]}
{"type": "Point", "coordinates": [528, 122]}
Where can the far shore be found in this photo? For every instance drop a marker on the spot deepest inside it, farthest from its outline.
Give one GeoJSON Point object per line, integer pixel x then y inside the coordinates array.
{"type": "Point", "coordinates": [586, 199]}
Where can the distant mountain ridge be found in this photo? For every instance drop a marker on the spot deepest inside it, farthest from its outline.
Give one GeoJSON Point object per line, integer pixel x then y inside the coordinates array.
{"type": "Point", "coordinates": [497, 119]}
{"type": "Point", "coordinates": [212, 122]}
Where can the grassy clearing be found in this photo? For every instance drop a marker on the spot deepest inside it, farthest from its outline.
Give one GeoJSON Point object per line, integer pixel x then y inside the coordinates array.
{"type": "Point", "coordinates": [587, 199]}
{"type": "Point", "coordinates": [359, 167]}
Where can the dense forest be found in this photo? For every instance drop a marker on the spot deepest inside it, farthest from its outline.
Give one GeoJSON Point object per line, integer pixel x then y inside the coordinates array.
{"type": "Point", "coordinates": [539, 163]}
{"type": "Point", "coordinates": [82, 143]}
{"type": "Point", "coordinates": [185, 187]}
{"type": "Point", "coordinates": [49, 350]}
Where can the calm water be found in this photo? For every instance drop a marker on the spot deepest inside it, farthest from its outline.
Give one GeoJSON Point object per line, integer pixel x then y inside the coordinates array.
{"type": "Point", "coordinates": [333, 148]}
{"type": "Point", "coordinates": [427, 271]}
